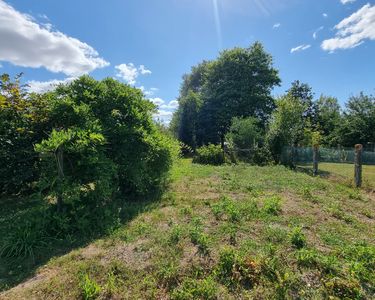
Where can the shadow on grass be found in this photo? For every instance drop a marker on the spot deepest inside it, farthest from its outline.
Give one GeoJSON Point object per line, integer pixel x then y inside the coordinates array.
{"type": "Point", "coordinates": [17, 269]}
{"type": "Point", "coordinates": [307, 169]}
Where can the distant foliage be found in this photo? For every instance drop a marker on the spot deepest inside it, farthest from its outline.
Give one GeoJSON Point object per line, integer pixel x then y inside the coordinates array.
{"type": "Point", "coordinates": [209, 155]}
{"type": "Point", "coordinates": [236, 84]}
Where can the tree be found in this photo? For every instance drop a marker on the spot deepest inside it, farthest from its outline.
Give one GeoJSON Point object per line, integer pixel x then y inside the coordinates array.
{"type": "Point", "coordinates": [303, 93]}
{"type": "Point", "coordinates": [287, 125]}
{"type": "Point", "coordinates": [244, 133]}
{"type": "Point", "coordinates": [22, 124]}
{"type": "Point", "coordinates": [238, 84]}
{"type": "Point", "coordinates": [329, 119]}
{"type": "Point", "coordinates": [189, 107]}
{"type": "Point", "coordinates": [194, 81]}
{"type": "Point", "coordinates": [184, 120]}
{"type": "Point", "coordinates": [358, 124]}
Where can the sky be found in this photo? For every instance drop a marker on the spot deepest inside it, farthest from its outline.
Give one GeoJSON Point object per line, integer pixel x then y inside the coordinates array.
{"type": "Point", "coordinates": [150, 44]}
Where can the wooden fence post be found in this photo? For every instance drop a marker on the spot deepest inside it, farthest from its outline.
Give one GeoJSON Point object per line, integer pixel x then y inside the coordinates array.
{"type": "Point", "coordinates": [358, 165]}
{"type": "Point", "coordinates": [60, 172]}
{"type": "Point", "coordinates": [315, 159]}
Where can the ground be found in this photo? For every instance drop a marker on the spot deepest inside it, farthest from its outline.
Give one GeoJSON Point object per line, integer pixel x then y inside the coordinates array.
{"type": "Point", "coordinates": [226, 232]}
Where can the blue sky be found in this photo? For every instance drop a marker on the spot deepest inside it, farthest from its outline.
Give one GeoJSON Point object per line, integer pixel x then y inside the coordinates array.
{"type": "Point", "coordinates": [150, 44]}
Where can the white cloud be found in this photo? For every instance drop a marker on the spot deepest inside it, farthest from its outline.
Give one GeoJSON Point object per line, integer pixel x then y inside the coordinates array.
{"type": "Point", "coordinates": [148, 92]}
{"type": "Point", "coordinates": [28, 44]}
{"type": "Point", "coordinates": [164, 110]}
{"type": "Point", "coordinates": [315, 34]}
{"type": "Point", "coordinates": [347, 1]}
{"type": "Point", "coordinates": [143, 70]}
{"type": "Point", "coordinates": [353, 30]}
{"type": "Point", "coordinates": [157, 101]}
{"type": "Point", "coordinates": [277, 25]}
{"type": "Point", "coordinates": [171, 105]}
{"type": "Point", "coordinates": [1, 65]}
{"type": "Point", "coordinates": [164, 113]}
{"type": "Point", "coordinates": [129, 72]}
{"type": "Point", "coordinates": [325, 15]}
{"type": "Point", "coordinates": [300, 48]}
{"type": "Point", "coordinates": [45, 86]}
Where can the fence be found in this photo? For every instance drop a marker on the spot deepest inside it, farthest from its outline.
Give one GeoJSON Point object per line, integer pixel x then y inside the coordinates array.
{"type": "Point", "coordinates": [347, 162]}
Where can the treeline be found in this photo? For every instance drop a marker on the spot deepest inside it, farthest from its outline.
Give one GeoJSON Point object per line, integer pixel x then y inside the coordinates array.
{"type": "Point", "coordinates": [228, 101]}
{"type": "Point", "coordinates": [81, 148]}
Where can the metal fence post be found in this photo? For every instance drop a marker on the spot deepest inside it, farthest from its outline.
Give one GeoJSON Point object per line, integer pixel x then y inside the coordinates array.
{"type": "Point", "coordinates": [358, 165]}
{"type": "Point", "coordinates": [315, 159]}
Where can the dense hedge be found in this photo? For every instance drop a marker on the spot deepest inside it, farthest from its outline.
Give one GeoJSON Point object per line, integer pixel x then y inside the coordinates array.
{"type": "Point", "coordinates": [91, 142]}
{"type": "Point", "coordinates": [209, 155]}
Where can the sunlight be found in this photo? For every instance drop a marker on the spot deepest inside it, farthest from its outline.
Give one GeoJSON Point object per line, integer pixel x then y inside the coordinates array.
{"type": "Point", "coordinates": [217, 24]}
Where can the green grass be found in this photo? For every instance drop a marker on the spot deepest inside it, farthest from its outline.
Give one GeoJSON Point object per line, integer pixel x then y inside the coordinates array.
{"type": "Point", "coordinates": [224, 232]}
{"type": "Point", "coordinates": [345, 173]}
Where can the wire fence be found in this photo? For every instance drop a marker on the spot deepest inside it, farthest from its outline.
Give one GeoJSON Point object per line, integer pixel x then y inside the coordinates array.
{"type": "Point", "coordinates": [354, 167]}
{"type": "Point", "coordinates": [329, 155]}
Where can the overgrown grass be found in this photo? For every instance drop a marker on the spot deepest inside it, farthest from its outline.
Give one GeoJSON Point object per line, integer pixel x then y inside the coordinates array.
{"type": "Point", "coordinates": [227, 232]}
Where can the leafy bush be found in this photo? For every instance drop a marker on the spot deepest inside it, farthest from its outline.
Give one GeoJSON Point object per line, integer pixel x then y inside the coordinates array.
{"type": "Point", "coordinates": [209, 155]}
{"type": "Point", "coordinates": [22, 124]}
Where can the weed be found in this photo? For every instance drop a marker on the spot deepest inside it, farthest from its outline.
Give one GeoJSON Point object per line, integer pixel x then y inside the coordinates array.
{"type": "Point", "coordinates": [275, 234]}
{"type": "Point", "coordinates": [226, 207]}
{"type": "Point", "coordinates": [272, 205]}
{"type": "Point", "coordinates": [190, 288]}
{"type": "Point", "coordinates": [199, 239]}
{"type": "Point", "coordinates": [89, 288]}
{"type": "Point", "coordinates": [168, 274]}
{"type": "Point", "coordinates": [307, 258]}
{"type": "Point", "coordinates": [297, 237]}
{"type": "Point", "coordinates": [233, 270]}
{"type": "Point", "coordinates": [343, 288]}
{"type": "Point", "coordinates": [175, 234]}
{"type": "Point", "coordinates": [23, 240]}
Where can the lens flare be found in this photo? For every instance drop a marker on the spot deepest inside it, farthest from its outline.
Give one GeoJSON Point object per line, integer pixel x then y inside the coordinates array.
{"type": "Point", "coordinates": [217, 24]}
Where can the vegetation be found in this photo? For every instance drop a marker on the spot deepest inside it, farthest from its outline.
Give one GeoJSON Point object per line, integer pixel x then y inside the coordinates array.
{"type": "Point", "coordinates": [96, 204]}
{"type": "Point", "coordinates": [232, 231]}
{"type": "Point", "coordinates": [210, 155]}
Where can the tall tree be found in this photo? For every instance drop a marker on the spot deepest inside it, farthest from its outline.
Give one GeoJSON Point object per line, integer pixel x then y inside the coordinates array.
{"type": "Point", "coordinates": [329, 119]}
{"type": "Point", "coordinates": [287, 125]}
{"type": "Point", "coordinates": [238, 84]}
{"type": "Point", "coordinates": [189, 107]}
{"type": "Point", "coordinates": [184, 120]}
{"type": "Point", "coordinates": [358, 124]}
{"type": "Point", "coordinates": [303, 92]}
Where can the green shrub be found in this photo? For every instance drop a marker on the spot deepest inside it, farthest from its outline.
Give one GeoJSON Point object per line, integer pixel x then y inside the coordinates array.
{"type": "Point", "coordinates": [22, 124]}
{"type": "Point", "coordinates": [209, 155]}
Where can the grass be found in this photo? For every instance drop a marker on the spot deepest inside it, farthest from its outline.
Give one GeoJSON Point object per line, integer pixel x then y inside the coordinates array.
{"type": "Point", "coordinates": [223, 232]}
{"type": "Point", "coordinates": [345, 173]}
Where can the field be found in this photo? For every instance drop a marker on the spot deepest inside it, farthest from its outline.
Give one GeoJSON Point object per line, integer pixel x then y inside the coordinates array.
{"type": "Point", "coordinates": [227, 232]}
{"type": "Point", "coordinates": [345, 173]}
